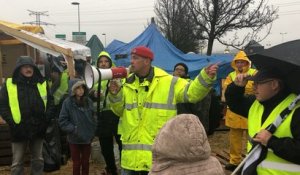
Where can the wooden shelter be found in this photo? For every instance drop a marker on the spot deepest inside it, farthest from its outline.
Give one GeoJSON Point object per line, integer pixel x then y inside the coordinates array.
{"type": "Point", "coordinates": [17, 40]}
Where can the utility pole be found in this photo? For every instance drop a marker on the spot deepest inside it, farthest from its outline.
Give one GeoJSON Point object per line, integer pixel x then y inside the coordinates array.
{"type": "Point", "coordinates": [38, 15]}
{"type": "Point", "coordinates": [104, 34]}
{"type": "Point", "coordinates": [77, 3]}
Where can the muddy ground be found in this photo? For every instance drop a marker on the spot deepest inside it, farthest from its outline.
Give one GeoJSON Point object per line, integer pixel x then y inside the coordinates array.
{"type": "Point", "coordinates": [218, 141]}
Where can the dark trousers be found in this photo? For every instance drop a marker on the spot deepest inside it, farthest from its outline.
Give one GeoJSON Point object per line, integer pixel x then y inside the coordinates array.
{"type": "Point", "coordinates": [107, 149]}
{"type": "Point", "coordinates": [80, 154]}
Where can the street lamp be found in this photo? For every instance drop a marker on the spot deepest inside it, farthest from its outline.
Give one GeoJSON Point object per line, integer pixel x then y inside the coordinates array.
{"type": "Point", "coordinates": [282, 36]}
{"type": "Point", "coordinates": [104, 34]}
{"type": "Point", "coordinates": [77, 3]}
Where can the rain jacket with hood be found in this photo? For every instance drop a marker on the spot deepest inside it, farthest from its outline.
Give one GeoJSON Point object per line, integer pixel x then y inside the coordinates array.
{"type": "Point", "coordinates": [146, 106]}
{"type": "Point", "coordinates": [77, 121]}
{"type": "Point", "coordinates": [233, 120]}
{"type": "Point", "coordinates": [181, 148]}
{"type": "Point", "coordinates": [107, 123]}
{"type": "Point", "coordinates": [35, 111]}
{"type": "Point", "coordinates": [237, 123]}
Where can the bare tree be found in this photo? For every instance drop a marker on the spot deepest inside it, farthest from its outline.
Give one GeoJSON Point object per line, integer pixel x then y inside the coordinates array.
{"type": "Point", "coordinates": [174, 19]}
{"type": "Point", "coordinates": [218, 18]}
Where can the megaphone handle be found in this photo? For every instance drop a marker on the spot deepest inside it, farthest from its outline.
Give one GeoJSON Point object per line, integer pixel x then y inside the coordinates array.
{"type": "Point", "coordinates": [105, 94]}
{"type": "Point", "coordinates": [98, 92]}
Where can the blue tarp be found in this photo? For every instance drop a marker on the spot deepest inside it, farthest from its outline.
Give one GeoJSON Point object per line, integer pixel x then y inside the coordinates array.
{"type": "Point", "coordinates": [166, 55]}
{"type": "Point", "coordinates": [115, 44]}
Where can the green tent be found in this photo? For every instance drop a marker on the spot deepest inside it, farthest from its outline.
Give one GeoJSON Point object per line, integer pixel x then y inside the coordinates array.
{"type": "Point", "coordinates": [96, 47]}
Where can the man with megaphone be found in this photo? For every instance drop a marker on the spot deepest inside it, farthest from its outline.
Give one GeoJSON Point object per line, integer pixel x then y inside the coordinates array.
{"type": "Point", "coordinates": [146, 101]}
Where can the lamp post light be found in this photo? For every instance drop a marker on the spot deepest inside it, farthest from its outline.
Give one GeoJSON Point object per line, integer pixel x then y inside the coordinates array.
{"type": "Point", "coordinates": [282, 39]}
{"type": "Point", "coordinates": [104, 34]}
{"type": "Point", "coordinates": [77, 3]}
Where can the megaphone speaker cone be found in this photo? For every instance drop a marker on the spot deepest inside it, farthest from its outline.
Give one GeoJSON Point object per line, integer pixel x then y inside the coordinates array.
{"type": "Point", "coordinates": [91, 74]}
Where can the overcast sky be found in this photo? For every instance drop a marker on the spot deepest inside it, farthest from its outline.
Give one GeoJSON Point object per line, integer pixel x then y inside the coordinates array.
{"type": "Point", "coordinates": [125, 19]}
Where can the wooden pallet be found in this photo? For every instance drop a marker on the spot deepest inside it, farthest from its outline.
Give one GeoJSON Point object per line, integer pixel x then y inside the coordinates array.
{"type": "Point", "coordinates": [222, 156]}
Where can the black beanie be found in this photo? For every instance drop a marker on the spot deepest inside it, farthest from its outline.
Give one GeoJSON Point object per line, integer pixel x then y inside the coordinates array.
{"type": "Point", "coordinates": [186, 69]}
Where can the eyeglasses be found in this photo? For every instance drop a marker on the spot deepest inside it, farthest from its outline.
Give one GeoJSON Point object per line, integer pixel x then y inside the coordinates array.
{"type": "Point", "coordinates": [179, 69]}
{"type": "Point", "coordinates": [262, 82]}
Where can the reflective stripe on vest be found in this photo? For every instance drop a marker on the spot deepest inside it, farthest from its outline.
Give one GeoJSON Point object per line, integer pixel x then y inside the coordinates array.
{"type": "Point", "coordinates": [12, 91]}
{"type": "Point", "coordinates": [62, 89]}
{"type": "Point", "coordinates": [143, 147]}
{"type": "Point", "coordinates": [289, 167]}
{"type": "Point", "coordinates": [168, 106]}
{"type": "Point", "coordinates": [203, 82]}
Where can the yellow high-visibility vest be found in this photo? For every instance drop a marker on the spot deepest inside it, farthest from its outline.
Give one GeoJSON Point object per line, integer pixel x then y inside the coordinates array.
{"type": "Point", "coordinates": [62, 89]}
{"type": "Point", "coordinates": [273, 164]}
{"type": "Point", "coordinates": [12, 91]}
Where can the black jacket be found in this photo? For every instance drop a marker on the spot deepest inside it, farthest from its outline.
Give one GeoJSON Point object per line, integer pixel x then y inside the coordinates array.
{"type": "Point", "coordinates": [34, 117]}
{"type": "Point", "coordinates": [285, 147]}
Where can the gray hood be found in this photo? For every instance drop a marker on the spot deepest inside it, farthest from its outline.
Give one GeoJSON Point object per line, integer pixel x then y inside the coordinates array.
{"type": "Point", "coordinates": [75, 83]}
{"type": "Point", "coordinates": [182, 147]}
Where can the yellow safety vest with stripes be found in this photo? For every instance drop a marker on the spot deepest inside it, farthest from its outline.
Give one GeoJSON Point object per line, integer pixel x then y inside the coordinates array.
{"type": "Point", "coordinates": [62, 89]}
{"type": "Point", "coordinates": [12, 91]}
{"type": "Point", "coordinates": [143, 112]}
{"type": "Point", "coordinates": [273, 164]}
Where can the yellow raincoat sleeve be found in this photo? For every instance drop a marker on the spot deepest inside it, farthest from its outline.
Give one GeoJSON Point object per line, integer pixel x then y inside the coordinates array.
{"type": "Point", "coordinates": [226, 82]}
{"type": "Point", "coordinates": [185, 91]}
{"type": "Point", "coordinates": [197, 89]}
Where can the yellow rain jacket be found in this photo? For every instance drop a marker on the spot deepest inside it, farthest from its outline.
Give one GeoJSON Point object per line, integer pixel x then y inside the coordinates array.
{"type": "Point", "coordinates": [232, 119]}
{"type": "Point", "coordinates": [145, 107]}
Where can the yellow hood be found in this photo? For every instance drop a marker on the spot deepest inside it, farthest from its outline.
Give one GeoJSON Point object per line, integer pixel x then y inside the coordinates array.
{"type": "Point", "coordinates": [105, 54]}
{"type": "Point", "coordinates": [241, 55]}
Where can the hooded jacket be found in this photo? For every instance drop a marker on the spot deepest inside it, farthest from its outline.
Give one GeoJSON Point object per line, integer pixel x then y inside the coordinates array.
{"type": "Point", "coordinates": [107, 123]}
{"type": "Point", "coordinates": [234, 120]}
{"type": "Point", "coordinates": [34, 115]}
{"type": "Point", "coordinates": [77, 121]}
{"type": "Point", "coordinates": [181, 148]}
{"type": "Point", "coordinates": [104, 83]}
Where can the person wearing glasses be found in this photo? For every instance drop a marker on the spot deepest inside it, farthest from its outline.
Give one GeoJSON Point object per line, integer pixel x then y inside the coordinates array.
{"type": "Point", "coordinates": [281, 150]}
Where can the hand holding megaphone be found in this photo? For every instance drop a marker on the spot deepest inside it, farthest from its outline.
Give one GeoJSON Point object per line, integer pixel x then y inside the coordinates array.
{"type": "Point", "coordinates": [97, 95]}
{"type": "Point", "coordinates": [93, 74]}
{"type": "Point", "coordinates": [114, 86]}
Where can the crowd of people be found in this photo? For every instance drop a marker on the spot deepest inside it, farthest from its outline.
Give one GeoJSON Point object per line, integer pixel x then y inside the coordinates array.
{"type": "Point", "coordinates": [159, 121]}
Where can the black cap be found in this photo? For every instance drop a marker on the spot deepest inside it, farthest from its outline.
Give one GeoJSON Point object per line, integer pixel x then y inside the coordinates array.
{"type": "Point", "coordinates": [265, 74]}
